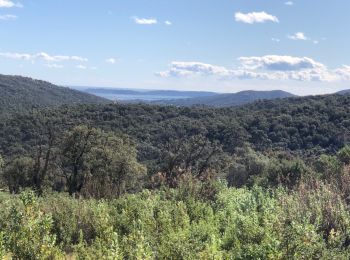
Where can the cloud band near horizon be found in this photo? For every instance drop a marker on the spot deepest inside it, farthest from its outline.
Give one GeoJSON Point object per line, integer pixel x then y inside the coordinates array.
{"type": "Point", "coordinates": [269, 67]}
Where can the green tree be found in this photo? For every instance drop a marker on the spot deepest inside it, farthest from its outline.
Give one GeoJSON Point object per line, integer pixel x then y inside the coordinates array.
{"type": "Point", "coordinates": [247, 164]}
{"type": "Point", "coordinates": [97, 163]}
{"type": "Point", "coordinates": [344, 155]}
{"type": "Point", "coordinates": [75, 147]}
{"type": "Point", "coordinates": [2, 163]}
{"type": "Point", "coordinates": [195, 155]}
{"type": "Point", "coordinates": [18, 174]}
{"type": "Point", "coordinates": [113, 166]}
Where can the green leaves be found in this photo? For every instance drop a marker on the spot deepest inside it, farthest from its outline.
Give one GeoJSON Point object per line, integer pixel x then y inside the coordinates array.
{"type": "Point", "coordinates": [344, 155]}
{"type": "Point", "coordinates": [237, 224]}
{"type": "Point", "coordinates": [27, 231]}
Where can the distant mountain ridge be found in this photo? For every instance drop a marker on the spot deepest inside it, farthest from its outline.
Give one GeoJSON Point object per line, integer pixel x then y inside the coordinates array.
{"type": "Point", "coordinates": [231, 99]}
{"type": "Point", "coordinates": [142, 95]}
{"type": "Point", "coordinates": [185, 98]}
{"type": "Point", "coordinates": [19, 93]}
{"type": "Point", "coordinates": [149, 92]}
{"type": "Point", "coordinates": [343, 92]}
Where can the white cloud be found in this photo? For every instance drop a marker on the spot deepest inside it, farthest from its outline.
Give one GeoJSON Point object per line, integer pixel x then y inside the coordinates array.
{"type": "Point", "coordinates": [255, 17]}
{"type": "Point", "coordinates": [299, 36]}
{"type": "Point", "coordinates": [54, 66]}
{"type": "Point", "coordinates": [180, 68]}
{"type": "Point", "coordinates": [290, 3]}
{"type": "Point", "coordinates": [111, 61]}
{"type": "Point", "coordinates": [7, 17]}
{"type": "Point", "coordinates": [82, 67]}
{"type": "Point", "coordinates": [279, 63]}
{"type": "Point", "coordinates": [275, 40]}
{"type": "Point", "coordinates": [145, 21]}
{"type": "Point", "coordinates": [9, 4]}
{"type": "Point", "coordinates": [77, 58]}
{"type": "Point", "coordinates": [42, 56]}
{"type": "Point", "coordinates": [343, 72]}
{"type": "Point", "coordinates": [17, 56]}
{"type": "Point", "coordinates": [270, 67]}
{"type": "Point", "coordinates": [168, 23]}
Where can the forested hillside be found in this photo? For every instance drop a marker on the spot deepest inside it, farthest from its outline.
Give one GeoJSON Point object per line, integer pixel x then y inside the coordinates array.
{"type": "Point", "coordinates": [307, 125]}
{"type": "Point", "coordinates": [268, 180]}
{"type": "Point", "coordinates": [21, 93]}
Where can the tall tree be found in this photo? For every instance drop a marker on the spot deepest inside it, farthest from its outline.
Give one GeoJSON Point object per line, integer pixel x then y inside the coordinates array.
{"type": "Point", "coordinates": [97, 163]}
{"type": "Point", "coordinates": [75, 147]}
{"type": "Point", "coordinates": [18, 174]}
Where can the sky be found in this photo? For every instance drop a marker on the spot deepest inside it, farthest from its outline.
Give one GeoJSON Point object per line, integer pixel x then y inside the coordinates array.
{"type": "Point", "coordinates": [300, 46]}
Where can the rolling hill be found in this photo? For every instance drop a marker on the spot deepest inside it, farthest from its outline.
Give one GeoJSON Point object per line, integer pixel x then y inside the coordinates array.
{"type": "Point", "coordinates": [22, 93]}
{"type": "Point", "coordinates": [343, 92]}
{"type": "Point", "coordinates": [226, 100]}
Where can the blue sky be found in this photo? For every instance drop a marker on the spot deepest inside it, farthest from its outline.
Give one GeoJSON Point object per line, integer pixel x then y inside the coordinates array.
{"type": "Point", "coordinates": [225, 45]}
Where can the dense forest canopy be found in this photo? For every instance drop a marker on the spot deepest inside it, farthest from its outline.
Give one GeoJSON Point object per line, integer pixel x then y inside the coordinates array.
{"type": "Point", "coordinates": [306, 126]}
{"type": "Point", "coordinates": [21, 93]}
{"type": "Point", "coordinates": [136, 181]}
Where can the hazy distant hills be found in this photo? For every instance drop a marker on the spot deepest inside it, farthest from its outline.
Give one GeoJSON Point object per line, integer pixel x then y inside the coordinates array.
{"type": "Point", "coordinates": [344, 92]}
{"type": "Point", "coordinates": [190, 98]}
{"type": "Point", "coordinates": [185, 98]}
{"type": "Point", "coordinates": [21, 93]}
{"type": "Point", "coordinates": [232, 99]}
{"type": "Point", "coordinates": [143, 95]}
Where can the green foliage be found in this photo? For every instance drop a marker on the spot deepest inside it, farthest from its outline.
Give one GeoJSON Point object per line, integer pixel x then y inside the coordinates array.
{"type": "Point", "coordinates": [307, 126]}
{"type": "Point", "coordinates": [2, 163]}
{"type": "Point", "coordinates": [20, 94]}
{"type": "Point", "coordinates": [27, 231]}
{"type": "Point", "coordinates": [18, 174]}
{"type": "Point", "coordinates": [344, 155]}
{"type": "Point", "coordinates": [99, 164]}
{"type": "Point", "coordinates": [254, 223]}
{"type": "Point", "coordinates": [2, 245]}
{"type": "Point", "coordinates": [283, 201]}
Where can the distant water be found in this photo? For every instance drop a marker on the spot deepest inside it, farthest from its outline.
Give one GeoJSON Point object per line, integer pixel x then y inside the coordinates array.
{"type": "Point", "coordinates": [125, 97]}
{"type": "Point", "coordinates": [120, 94]}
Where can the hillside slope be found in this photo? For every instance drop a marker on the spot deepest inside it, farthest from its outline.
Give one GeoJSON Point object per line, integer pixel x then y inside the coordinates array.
{"type": "Point", "coordinates": [304, 125]}
{"type": "Point", "coordinates": [343, 92]}
{"type": "Point", "coordinates": [226, 100]}
{"type": "Point", "coordinates": [21, 93]}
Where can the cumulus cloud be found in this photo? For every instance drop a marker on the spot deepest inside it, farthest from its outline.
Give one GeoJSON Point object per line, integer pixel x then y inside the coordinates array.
{"type": "Point", "coordinates": [343, 72]}
{"type": "Point", "coordinates": [16, 56]}
{"type": "Point", "coordinates": [270, 67]}
{"type": "Point", "coordinates": [168, 23]}
{"type": "Point", "coordinates": [144, 21]}
{"type": "Point", "coordinates": [7, 17]}
{"type": "Point", "coordinates": [42, 56]}
{"type": "Point", "coordinates": [9, 4]}
{"type": "Point", "coordinates": [111, 60]}
{"type": "Point", "coordinates": [181, 68]}
{"type": "Point", "coordinates": [82, 67]}
{"type": "Point", "coordinates": [279, 63]}
{"type": "Point", "coordinates": [255, 17]}
{"type": "Point", "coordinates": [290, 3]}
{"type": "Point", "coordinates": [299, 36]}
{"type": "Point", "coordinates": [54, 66]}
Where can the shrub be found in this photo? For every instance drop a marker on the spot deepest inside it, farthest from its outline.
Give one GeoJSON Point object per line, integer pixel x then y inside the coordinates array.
{"type": "Point", "coordinates": [28, 231]}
